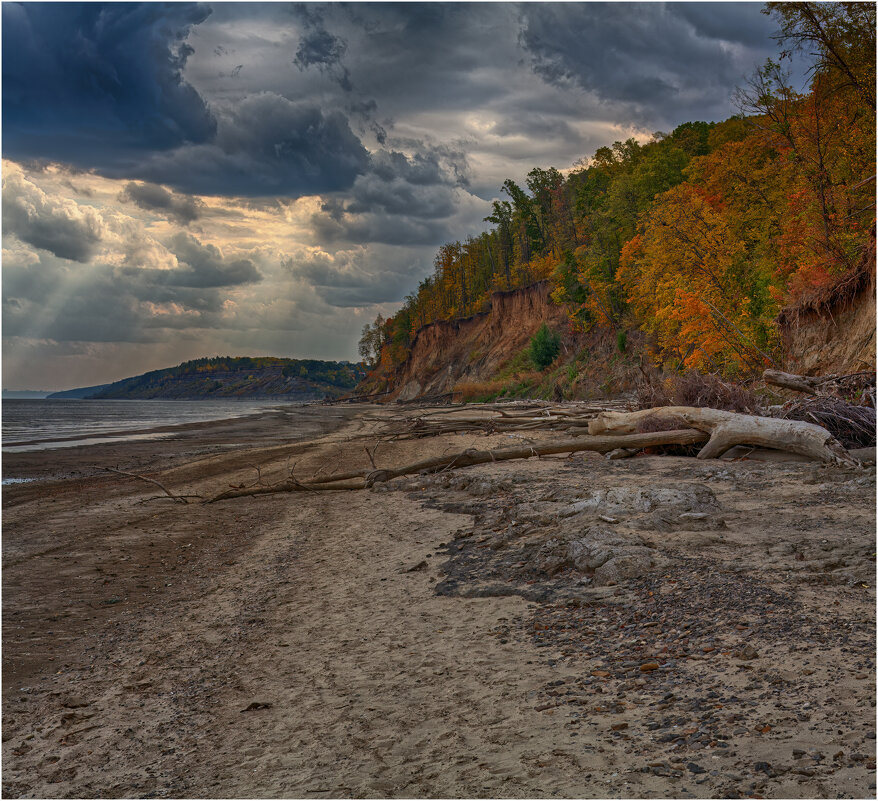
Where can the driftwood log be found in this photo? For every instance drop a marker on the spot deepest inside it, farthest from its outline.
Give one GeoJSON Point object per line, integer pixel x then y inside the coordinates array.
{"type": "Point", "coordinates": [728, 429]}
{"type": "Point", "coordinates": [350, 481]}
{"type": "Point", "coordinates": [798, 383]}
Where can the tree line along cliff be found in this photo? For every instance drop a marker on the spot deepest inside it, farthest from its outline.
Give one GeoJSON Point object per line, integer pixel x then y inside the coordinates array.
{"type": "Point", "coordinates": [698, 241]}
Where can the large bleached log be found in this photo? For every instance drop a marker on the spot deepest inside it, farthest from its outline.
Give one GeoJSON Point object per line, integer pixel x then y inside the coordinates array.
{"type": "Point", "coordinates": [349, 481]}
{"type": "Point", "coordinates": [728, 429]}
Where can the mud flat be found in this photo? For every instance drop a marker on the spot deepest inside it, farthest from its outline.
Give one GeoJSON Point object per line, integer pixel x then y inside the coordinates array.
{"type": "Point", "coordinates": [557, 627]}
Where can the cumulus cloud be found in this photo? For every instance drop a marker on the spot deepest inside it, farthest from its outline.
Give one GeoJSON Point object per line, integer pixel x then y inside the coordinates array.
{"type": "Point", "coordinates": [403, 200]}
{"type": "Point", "coordinates": [153, 197]}
{"type": "Point", "coordinates": [358, 276]}
{"type": "Point", "coordinates": [57, 225]}
{"type": "Point", "coordinates": [205, 266]}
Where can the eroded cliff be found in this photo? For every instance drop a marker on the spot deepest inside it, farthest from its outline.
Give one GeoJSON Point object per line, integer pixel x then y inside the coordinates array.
{"type": "Point", "coordinates": [448, 352]}
{"type": "Point", "coordinates": [834, 331]}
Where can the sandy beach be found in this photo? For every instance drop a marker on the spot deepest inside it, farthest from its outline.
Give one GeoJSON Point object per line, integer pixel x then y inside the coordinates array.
{"type": "Point", "coordinates": [435, 636]}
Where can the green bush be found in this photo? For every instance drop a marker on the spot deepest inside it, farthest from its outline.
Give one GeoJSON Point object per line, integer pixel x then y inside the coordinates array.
{"type": "Point", "coordinates": [544, 347]}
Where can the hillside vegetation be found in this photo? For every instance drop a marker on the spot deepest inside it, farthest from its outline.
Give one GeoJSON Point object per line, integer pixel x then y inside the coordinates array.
{"type": "Point", "coordinates": [690, 244]}
{"type": "Point", "coordinates": [235, 377]}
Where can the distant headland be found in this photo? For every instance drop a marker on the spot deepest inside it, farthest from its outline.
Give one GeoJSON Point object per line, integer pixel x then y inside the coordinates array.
{"type": "Point", "coordinates": [227, 377]}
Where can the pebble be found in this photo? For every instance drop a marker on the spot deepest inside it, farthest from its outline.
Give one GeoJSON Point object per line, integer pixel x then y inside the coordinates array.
{"type": "Point", "coordinates": [694, 768]}
{"type": "Point", "coordinates": [648, 666]}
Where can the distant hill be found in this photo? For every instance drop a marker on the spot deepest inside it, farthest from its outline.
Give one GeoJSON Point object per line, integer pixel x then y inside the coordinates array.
{"type": "Point", "coordinates": [232, 377]}
{"type": "Point", "coordinates": [78, 394]}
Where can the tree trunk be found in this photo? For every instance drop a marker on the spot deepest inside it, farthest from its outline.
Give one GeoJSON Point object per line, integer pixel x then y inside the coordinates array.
{"type": "Point", "coordinates": [350, 481]}
{"type": "Point", "coordinates": [799, 383]}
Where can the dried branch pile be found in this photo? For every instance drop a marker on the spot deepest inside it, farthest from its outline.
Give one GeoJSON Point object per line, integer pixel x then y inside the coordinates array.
{"type": "Point", "coordinates": [856, 388]}
{"type": "Point", "coordinates": [522, 418]}
{"type": "Point", "coordinates": [853, 426]}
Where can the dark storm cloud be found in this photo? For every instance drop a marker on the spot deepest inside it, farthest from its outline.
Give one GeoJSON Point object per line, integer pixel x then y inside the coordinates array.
{"type": "Point", "coordinates": [101, 87]}
{"type": "Point", "coordinates": [661, 61]}
{"type": "Point", "coordinates": [153, 197]}
{"type": "Point", "coordinates": [98, 84]}
{"type": "Point", "coordinates": [401, 200]}
{"type": "Point", "coordinates": [266, 145]}
{"type": "Point", "coordinates": [319, 48]}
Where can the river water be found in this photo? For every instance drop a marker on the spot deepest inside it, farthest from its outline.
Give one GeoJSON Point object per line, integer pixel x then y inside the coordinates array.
{"type": "Point", "coordinates": [30, 425]}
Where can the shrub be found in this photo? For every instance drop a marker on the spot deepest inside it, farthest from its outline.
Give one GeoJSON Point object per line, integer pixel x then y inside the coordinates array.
{"type": "Point", "coordinates": [544, 347]}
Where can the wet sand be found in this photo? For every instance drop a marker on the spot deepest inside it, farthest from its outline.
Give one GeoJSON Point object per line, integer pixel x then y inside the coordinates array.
{"type": "Point", "coordinates": [424, 638]}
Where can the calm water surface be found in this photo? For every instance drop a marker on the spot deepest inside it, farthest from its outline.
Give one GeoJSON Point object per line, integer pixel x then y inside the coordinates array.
{"type": "Point", "coordinates": [45, 424]}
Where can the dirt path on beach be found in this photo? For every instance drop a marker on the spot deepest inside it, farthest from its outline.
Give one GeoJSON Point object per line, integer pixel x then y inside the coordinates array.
{"type": "Point", "coordinates": [403, 643]}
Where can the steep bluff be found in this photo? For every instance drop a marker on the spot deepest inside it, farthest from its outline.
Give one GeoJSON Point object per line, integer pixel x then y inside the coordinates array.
{"type": "Point", "coordinates": [470, 349]}
{"type": "Point", "coordinates": [834, 332]}
{"type": "Point", "coordinates": [831, 332]}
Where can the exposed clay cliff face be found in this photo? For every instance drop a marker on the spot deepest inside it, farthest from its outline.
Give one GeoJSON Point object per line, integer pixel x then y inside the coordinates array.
{"type": "Point", "coordinates": [471, 349]}
{"type": "Point", "coordinates": [835, 332]}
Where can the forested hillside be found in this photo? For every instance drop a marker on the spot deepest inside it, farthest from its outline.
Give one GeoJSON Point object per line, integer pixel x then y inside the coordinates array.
{"type": "Point", "coordinates": [233, 377]}
{"type": "Point", "coordinates": [698, 237]}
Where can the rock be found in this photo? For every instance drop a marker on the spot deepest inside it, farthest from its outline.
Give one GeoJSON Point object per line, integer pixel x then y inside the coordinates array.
{"type": "Point", "coordinates": [694, 768]}
{"type": "Point", "coordinates": [621, 453]}
{"type": "Point", "coordinates": [763, 767]}
{"type": "Point", "coordinates": [746, 653]}
{"type": "Point", "coordinates": [255, 705]}
{"type": "Point", "coordinates": [647, 667]}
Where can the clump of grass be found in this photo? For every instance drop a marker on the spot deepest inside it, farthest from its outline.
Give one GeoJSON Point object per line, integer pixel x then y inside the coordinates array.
{"type": "Point", "coordinates": [478, 391]}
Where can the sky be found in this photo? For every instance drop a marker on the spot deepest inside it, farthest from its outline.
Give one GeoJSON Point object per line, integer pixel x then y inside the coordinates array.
{"type": "Point", "coordinates": [185, 180]}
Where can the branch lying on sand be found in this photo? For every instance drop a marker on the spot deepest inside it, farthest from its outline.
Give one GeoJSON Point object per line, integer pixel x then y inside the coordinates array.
{"type": "Point", "coordinates": [174, 497]}
{"type": "Point", "coordinates": [350, 481]}
{"type": "Point", "coordinates": [728, 429]}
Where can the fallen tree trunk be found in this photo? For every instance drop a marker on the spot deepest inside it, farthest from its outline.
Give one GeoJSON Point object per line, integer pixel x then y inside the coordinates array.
{"type": "Point", "coordinates": [798, 383]}
{"type": "Point", "coordinates": [728, 429]}
{"type": "Point", "coordinates": [474, 457]}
